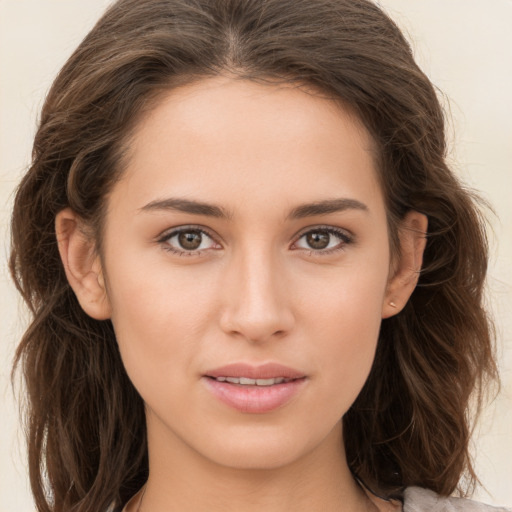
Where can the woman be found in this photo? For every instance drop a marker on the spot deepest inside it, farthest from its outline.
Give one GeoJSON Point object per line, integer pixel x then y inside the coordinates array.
{"type": "Point", "coordinates": [255, 282]}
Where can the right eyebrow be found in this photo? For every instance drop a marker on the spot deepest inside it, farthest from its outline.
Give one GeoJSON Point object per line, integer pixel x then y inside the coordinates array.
{"type": "Point", "coordinates": [188, 206]}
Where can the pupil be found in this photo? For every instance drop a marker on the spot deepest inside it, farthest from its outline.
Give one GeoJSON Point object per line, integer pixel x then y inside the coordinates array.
{"type": "Point", "coordinates": [318, 239]}
{"type": "Point", "coordinates": [189, 239]}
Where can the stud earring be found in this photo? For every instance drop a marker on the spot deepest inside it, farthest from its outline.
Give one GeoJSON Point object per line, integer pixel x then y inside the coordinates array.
{"type": "Point", "coordinates": [393, 305]}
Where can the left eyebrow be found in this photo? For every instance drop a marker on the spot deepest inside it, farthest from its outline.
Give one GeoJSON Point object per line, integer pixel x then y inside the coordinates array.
{"type": "Point", "coordinates": [326, 207]}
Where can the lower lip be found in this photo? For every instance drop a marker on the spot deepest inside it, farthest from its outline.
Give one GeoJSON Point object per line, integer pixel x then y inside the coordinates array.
{"type": "Point", "coordinates": [254, 399]}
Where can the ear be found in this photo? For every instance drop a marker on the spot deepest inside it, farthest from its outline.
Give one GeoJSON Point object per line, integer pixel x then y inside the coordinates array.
{"type": "Point", "coordinates": [82, 264]}
{"type": "Point", "coordinates": [405, 274]}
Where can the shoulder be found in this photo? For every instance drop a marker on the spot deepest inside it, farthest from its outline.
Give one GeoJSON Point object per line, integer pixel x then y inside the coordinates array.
{"type": "Point", "coordinates": [417, 499]}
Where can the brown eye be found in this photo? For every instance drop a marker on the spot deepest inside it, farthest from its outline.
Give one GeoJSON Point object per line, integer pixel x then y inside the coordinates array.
{"type": "Point", "coordinates": [318, 239]}
{"type": "Point", "coordinates": [187, 241]}
{"type": "Point", "coordinates": [190, 240]}
{"type": "Point", "coordinates": [324, 240]}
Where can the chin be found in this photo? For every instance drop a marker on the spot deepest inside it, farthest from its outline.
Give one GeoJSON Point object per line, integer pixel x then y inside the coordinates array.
{"type": "Point", "coordinates": [260, 450]}
{"type": "Point", "coordinates": [260, 458]}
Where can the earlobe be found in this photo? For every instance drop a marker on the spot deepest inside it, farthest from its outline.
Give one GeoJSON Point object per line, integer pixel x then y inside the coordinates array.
{"type": "Point", "coordinates": [82, 264]}
{"type": "Point", "coordinates": [412, 235]}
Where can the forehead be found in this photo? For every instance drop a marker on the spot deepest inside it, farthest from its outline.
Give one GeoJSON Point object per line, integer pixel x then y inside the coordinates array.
{"type": "Point", "coordinates": [211, 107]}
{"type": "Point", "coordinates": [258, 141]}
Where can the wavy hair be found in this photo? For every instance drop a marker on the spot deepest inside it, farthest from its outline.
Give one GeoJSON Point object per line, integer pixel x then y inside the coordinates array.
{"type": "Point", "coordinates": [85, 422]}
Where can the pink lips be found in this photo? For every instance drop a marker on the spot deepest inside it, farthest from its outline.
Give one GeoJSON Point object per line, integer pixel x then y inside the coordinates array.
{"type": "Point", "coordinates": [255, 398]}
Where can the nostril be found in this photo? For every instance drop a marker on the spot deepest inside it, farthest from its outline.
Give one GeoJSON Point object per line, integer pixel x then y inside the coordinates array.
{"type": "Point", "coordinates": [255, 298]}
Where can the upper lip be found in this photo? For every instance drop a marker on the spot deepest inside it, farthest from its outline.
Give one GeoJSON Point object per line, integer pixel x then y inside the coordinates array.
{"type": "Point", "coordinates": [263, 371]}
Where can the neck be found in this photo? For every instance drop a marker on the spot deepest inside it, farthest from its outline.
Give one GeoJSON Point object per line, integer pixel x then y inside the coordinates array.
{"type": "Point", "coordinates": [181, 479]}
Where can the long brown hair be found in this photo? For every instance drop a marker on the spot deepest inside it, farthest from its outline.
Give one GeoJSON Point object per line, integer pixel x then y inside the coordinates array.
{"type": "Point", "coordinates": [411, 423]}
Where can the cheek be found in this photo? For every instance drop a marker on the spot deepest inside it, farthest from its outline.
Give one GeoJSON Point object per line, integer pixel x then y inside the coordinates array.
{"type": "Point", "coordinates": [345, 321]}
{"type": "Point", "coordinates": [155, 319]}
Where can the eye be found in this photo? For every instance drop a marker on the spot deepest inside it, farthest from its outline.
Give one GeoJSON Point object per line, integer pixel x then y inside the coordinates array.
{"type": "Point", "coordinates": [187, 241]}
{"type": "Point", "coordinates": [323, 240]}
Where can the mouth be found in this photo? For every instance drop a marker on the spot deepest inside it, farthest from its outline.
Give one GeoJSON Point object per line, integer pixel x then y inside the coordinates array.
{"type": "Point", "coordinates": [263, 372]}
{"type": "Point", "coordinates": [255, 389]}
{"type": "Point", "coordinates": [246, 381]}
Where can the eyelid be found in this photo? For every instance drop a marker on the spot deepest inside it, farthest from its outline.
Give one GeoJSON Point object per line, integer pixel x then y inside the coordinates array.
{"type": "Point", "coordinates": [324, 227]}
{"type": "Point", "coordinates": [169, 233]}
{"type": "Point", "coordinates": [345, 236]}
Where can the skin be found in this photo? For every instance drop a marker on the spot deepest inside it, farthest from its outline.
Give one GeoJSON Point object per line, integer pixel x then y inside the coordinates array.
{"type": "Point", "coordinates": [255, 291]}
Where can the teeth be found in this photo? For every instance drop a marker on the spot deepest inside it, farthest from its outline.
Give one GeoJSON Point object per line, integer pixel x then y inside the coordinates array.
{"type": "Point", "coordinates": [246, 381]}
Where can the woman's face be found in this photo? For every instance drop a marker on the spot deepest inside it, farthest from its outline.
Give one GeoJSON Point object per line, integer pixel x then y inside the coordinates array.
{"type": "Point", "coordinates": [247, 239]}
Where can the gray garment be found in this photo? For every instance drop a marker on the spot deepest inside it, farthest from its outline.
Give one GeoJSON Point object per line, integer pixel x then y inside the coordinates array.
{"type": "Point", "coordinates": [425, 500]}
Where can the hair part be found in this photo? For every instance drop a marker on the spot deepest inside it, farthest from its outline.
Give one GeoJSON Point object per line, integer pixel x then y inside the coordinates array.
{"type": "Point", "coordinates": [411, 423]}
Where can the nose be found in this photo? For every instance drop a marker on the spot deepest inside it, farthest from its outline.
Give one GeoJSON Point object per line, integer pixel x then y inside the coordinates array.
{"type": "Point", "coordinates": [256, 304]}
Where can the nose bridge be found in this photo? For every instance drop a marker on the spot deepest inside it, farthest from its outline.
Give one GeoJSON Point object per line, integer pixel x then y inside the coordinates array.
{"type": "Point", "coordinates": [256, 305]}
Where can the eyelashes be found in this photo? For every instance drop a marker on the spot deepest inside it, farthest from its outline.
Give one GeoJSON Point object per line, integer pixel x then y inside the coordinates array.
{"type": "Point", "coordinates": [197, 241]}
{"type": "Point", "coordinates": [324, 240]}
{"type": "Point", "coordinates": [188, 241]}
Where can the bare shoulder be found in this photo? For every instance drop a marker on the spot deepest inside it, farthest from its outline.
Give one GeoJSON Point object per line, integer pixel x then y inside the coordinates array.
{"type": "Point", "coordinates": [417, 499]}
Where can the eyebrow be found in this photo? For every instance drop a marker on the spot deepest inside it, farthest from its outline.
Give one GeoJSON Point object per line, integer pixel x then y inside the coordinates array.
{"type": "Point", "coordinates": [325, 207]}
{"type": "Point", "coordinates": [188, 206]}
{"type": "Point", "coordinates": [211, 210]}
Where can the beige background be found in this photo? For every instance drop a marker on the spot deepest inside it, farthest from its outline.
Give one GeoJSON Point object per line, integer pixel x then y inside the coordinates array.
{"type": "Point", "coordinates": [465, 46]}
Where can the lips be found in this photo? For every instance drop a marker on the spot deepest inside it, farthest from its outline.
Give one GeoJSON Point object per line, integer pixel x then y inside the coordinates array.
{"type": "Point", "coordinates": [254, 389]}
{"type": "Point", "coordinates": [245, 381]}
{"type": "Point", "coordinates": [265, 371]}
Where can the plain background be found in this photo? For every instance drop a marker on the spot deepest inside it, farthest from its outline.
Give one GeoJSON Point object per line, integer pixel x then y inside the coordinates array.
{"type": "Point", "coordinates": [465, 46]}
